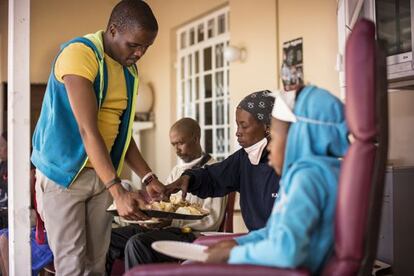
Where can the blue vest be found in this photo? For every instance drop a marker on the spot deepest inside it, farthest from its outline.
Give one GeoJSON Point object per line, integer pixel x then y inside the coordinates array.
{"type": "Point", "coordinates": [58, 150]}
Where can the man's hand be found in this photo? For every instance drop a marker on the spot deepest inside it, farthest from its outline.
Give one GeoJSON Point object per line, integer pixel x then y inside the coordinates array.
{"type": "Point", "coordinates": [181, 183]}
{"type": "Point", "coordinates": [155, 189]}
{"type": "Point", "coordinates": [129, 203]}
{"type": "Point", "coordinates": [220, 252]}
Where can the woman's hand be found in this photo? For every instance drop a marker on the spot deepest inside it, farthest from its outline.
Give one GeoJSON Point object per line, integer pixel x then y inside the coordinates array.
{"type": "Point", "coordinates": [181, 183]}
{"type": "Point", "coordinates": [220, 252]}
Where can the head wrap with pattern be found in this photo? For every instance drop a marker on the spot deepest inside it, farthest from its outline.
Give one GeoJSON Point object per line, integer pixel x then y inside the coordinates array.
{"type": "Point", "coordinates": [260, 105]}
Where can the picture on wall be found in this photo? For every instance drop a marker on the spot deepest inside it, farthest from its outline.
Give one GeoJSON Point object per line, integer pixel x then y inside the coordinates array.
{"type": "Point", "coordinates": [292, 66]}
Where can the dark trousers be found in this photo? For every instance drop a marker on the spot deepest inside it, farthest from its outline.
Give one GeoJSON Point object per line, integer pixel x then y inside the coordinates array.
{"type": "Point", "coordinates": [133, 243]}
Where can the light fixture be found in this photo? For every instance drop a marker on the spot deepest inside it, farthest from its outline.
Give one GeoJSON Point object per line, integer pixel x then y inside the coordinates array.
{"type": "Point", "coordinates": [232, 53]}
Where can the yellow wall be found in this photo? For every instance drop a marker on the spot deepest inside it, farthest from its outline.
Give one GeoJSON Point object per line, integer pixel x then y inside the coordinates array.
{"type": "Point", "coordinates": [52, 23]}
{"type": "Point", "coordinates": [315, 22]}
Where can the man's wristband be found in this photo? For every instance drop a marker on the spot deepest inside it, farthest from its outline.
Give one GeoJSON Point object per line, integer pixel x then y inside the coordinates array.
{"type": "Point", "coordinates": [111, 183]}
{"type": "Point", "coordinates": [148, 178]}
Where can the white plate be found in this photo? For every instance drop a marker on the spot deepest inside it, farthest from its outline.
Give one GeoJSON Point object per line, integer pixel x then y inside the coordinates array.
{"type": "Point", "coordinates": [181, 250]}
{"type": "Point", "coordinates": [140, 222]}
{"type": "Point", "coordinates": [211, 233]}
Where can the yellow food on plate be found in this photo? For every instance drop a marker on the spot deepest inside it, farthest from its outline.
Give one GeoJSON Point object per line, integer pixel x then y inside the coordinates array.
{"type": "Point", "coordinates": [177, 205]}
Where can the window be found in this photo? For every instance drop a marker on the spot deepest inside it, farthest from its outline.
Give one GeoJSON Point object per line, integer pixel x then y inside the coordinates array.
{"type": "Point", "coordinates": [203, 79]}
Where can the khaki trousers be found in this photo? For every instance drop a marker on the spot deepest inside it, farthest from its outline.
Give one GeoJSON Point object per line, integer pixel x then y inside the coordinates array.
{"type": "Point", "coordinates": [76, 221]}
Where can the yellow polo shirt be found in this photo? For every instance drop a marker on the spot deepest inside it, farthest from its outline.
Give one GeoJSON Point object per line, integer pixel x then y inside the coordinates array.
{"type": "Point", "coordinates": [78, 59]}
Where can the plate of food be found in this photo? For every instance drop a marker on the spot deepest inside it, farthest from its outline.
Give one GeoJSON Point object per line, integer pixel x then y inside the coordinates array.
{"type": "Point", "coordinates": [175, 209]}
{"type": "Point", "coordinates": [181, 250]}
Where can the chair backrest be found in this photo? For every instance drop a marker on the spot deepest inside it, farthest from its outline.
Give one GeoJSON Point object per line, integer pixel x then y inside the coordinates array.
{"type": "Point", "coordinates": [362, 175]}
{"type": "Point", "coordinates": [227, 223]}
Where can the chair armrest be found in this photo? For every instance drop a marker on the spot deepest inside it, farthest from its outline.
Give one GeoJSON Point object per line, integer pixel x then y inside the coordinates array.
{"type": "Point", "coordinates": [209, 240]}
{"type": "Point", "coordinates": [209, 269]}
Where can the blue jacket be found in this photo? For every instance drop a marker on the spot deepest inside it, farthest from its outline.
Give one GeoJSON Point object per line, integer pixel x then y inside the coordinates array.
{"type": "Point", "coordinates": [300, 230]}
{"type": "Point", "coordinates": [258, 185]}
{"type": "Point", "coordinates": [58, 150]}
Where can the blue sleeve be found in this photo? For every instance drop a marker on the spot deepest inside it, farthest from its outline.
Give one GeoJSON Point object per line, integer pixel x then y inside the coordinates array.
{"type": "Point", "coordinates": [290, 227]}
{"type": "Point", "coordinates": [253, 236]}
{"type": "Point", "coordinates": [216, 180]}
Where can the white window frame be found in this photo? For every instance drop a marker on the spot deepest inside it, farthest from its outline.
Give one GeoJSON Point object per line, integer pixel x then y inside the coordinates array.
{"type": "Point", "coordinates": [186, 79]}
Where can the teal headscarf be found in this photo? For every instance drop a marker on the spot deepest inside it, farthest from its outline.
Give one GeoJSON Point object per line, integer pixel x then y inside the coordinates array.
{"type": "Point", "coordinates": [320, 129]}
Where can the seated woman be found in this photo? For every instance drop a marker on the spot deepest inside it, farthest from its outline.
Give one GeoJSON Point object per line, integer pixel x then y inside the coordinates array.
{"type": "Point", "coordinates": [245, 171]}
{"type": "Point", "coordinates": [307, 141]}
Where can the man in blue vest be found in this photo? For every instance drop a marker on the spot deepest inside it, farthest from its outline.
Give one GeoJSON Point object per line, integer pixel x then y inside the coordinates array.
{"type": "Point", "coordinates": [83, 137]}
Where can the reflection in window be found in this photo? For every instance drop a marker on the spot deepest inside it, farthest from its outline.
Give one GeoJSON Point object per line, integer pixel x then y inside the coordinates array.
{"type": "Point", "coordinates": [220, 112]}
{"type": "Point", "coordinates": [220, 140]}
{"type": "Point", "coordinates": [219, 84]}
{"type": "Point", "coordinates": [219, 55]}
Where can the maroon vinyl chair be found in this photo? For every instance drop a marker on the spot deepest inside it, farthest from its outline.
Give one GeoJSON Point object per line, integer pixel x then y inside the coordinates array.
{"type": "Point", "coordinates": [362, 173]}
{"type": "Point", "coordinates": [361, 187]}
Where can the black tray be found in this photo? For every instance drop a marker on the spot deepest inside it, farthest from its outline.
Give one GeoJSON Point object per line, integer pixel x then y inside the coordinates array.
{"type": "Point", "coordinates": [166, 215]}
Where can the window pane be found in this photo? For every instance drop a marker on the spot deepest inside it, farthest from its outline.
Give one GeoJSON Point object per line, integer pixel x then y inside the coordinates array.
{"type": "Point", "coordinates": [197, 88]}
{"type": "Point", "coordinates": [219, 84]}
{"type": "Point", "coordinates": [219, 55]}
{"type": "Point", "coordinates": [197, 112]}
{"type": "Point", "coordinates": [183, 93]}
{"type": "Point", "coordinates": [200, 32]}
{"type": "Point", "coordinates": [228, 136]}
{"type": "Point", "coordinates": [182, 39]}
{"type": "Point", "coordinates": [182, 68]}
{"type": "Point", "coordinates": [210, 28]}
{"type": "Point", "coordinates": [220, 112]}
{"type": "Point", "coordinates": [207, 86]}
{"type": "Point", "coordinates": [208, 134]}
{"type": "Point", "coordinates": [228, 82]}
{"type": "Point", "coordinates": [207, 59]}
{"type": "Point", "coordinates": [221, 24]}
{"type": "Point", "coordinates": [190, 94]}
{"type": "Point", "coordinates": [228, 114]}
{"type": "Point", "coordinates": [220, 140]}
{"type": "Point", "coordinates": [196, 57]}
{"type": "Point", "coordinates": [190, 65]}
{"type": "Point", "coordinates": [192, 36]}
{"type": "Point", "coordinates": [208, 112]}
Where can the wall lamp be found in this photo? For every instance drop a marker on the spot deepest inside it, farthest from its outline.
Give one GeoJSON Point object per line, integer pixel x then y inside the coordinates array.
{"type": "Point", "coordinates": [233, 53]}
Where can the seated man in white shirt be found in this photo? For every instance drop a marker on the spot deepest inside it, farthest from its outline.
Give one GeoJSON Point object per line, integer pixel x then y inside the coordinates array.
{"type": "Point", "coordinates": [133, 242]}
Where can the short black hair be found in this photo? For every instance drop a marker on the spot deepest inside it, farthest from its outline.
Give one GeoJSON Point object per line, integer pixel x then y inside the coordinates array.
{"type": "Point", "coordinates": [187, 126]}
{"type": "Point", "coordinates": [133, 13]}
